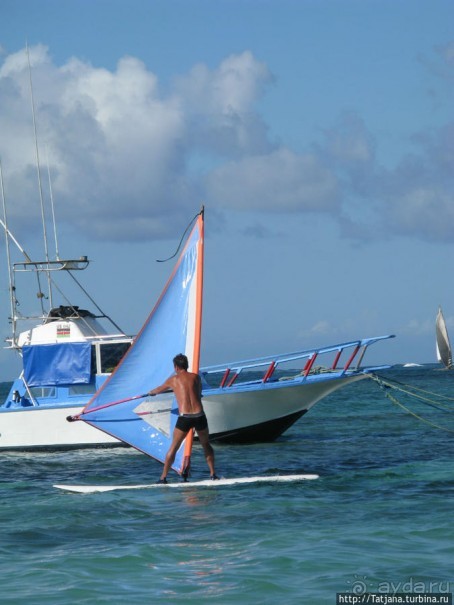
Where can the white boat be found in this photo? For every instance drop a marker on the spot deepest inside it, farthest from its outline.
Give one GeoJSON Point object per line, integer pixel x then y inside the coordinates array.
{"type": "Point", "coordinates": [443, 345]}
{"type": "Point", "coordinates": [68, 353]}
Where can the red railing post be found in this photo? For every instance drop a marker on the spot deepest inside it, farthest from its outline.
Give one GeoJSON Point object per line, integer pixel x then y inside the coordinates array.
{"type": "Point", "coordinates": [347, 365]}
{"type": "Point", "coordinates": [224, 378]}
{"type": "Point", "coordinates": [336, 359]}
{"type": "Point", "coordinates": [309, 364]}
{"type": "Point", "coordinates": [232, 380]}
{"type": "Point", "coordinates": [269, 371]}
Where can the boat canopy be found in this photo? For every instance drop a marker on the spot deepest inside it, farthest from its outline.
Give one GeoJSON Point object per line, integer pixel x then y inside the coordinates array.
{"type": "Point", "coordinates": [55, 364]}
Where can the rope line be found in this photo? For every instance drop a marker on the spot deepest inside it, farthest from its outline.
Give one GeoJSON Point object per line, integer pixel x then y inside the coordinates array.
{"type": "Point", "coordinates": [403, 387]}
{"type": "Point", "coordinates": [181, 240]}
{"type": "Point", "coordinates": [385, 385]}
{"type": "Point", "coordinates": [390, 381]}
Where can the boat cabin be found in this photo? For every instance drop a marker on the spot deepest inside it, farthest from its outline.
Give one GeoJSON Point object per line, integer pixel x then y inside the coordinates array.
{"type": "Point", "coordinates": [65, 360]}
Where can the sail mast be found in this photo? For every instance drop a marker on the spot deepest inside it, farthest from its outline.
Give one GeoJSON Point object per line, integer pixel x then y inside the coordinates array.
{"type": "Point", "coordinates": [198, 331]}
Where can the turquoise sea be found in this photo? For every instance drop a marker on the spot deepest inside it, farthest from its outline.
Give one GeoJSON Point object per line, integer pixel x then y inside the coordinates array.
{"type": "Point", "coordinates": [379, 518]}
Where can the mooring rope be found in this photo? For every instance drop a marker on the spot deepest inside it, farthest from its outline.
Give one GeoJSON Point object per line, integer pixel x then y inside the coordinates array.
{"type": "Point", "coordinates": [410, 386]}
{"type": "Point", "coordinates": [403, 387]}
{"type": "Point", "coordinates": [385, 385]}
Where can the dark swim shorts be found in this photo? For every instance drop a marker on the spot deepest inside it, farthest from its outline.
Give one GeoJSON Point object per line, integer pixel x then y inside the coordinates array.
{"type": "Point", "coordinates": [186, 422]}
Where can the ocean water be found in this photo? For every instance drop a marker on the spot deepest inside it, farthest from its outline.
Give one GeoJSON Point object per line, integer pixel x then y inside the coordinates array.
{"type": "Point", "coordinates": [379, 518]}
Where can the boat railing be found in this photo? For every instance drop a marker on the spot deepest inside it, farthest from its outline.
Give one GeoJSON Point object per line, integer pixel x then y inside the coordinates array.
{"type": "Point", "coordinates": [109, 338]}
{"type": "Point", "coordinates": [340, 359]}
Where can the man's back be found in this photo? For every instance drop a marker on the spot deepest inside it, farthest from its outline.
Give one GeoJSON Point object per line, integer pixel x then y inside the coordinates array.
{"type": "Point", "coordinates": [188, 392]}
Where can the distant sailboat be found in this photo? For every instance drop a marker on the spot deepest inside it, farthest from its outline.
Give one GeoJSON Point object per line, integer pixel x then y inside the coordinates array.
{"type": "Point", "coordinates": [444, 351]}
{"type": "Point", "coordinates": [174, 326]}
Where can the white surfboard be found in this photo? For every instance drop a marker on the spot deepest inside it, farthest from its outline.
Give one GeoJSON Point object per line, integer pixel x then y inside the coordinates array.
{"type": "Point", "coordinates": [88, 489]}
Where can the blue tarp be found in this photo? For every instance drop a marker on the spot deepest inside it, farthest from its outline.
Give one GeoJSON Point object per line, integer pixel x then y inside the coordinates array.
{"type": "Point", "coordinates": [51, 365]}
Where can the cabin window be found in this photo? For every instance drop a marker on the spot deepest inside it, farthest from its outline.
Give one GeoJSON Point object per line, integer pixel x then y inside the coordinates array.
{"type": "Point", "coordinates": [81, 389]}
{"type": "Point", "coordinates": [111, 355]}
{"type": "Point", "coordinates": [94, 365]}
{"type": "Point", "coordinates": [42, 392]}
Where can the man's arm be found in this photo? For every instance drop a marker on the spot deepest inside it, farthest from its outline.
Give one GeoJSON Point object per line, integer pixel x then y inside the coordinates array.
{"type": "Point", "coordinates": [167, 387]}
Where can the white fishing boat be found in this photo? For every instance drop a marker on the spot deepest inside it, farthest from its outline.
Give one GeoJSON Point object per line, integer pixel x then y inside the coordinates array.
{"type": "Point", "coordinates": [68, 353]}
{"type": "Point", "coordinates": [443, 345]}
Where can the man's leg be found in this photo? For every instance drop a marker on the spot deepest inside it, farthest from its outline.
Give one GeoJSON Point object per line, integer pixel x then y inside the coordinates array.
{"type": "Point", "coordinates": [177, 440]}
{"type": "Point", "coordinates": [204, 439]}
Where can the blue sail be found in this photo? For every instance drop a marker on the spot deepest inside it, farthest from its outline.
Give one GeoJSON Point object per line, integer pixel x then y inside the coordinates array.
{"type": "Point", "coordinates": [174, 326]}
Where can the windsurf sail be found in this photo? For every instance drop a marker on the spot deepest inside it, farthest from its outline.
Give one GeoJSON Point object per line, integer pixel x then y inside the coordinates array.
{"type": "Point", "coordinates": [174, 326]}
{"type": "Point", "coordinates": [444, 352]}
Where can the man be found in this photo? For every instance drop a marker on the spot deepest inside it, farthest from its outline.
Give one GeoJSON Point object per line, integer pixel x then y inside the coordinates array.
{"type": "Point", "coordinates": [187, 387]}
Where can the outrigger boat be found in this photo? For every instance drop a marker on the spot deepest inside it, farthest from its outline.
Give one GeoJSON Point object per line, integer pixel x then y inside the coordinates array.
{"type": "Point", "coordinates": [68, 353]}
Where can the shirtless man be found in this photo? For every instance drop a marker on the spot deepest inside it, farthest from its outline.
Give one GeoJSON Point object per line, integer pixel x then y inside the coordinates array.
{"type": "Point", "coordinates": [187, 387]}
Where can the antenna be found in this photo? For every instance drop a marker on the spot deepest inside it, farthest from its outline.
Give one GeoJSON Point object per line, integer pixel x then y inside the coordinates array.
{"type": "Point", "coordinates": [52, 206]}
{"type": "Point", "coordinates": [8, 255]}
{"type": "Point", "coordinates": [43, 218]}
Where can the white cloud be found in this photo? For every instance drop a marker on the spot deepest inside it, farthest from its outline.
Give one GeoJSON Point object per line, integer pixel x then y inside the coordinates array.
{"type": "Point", "coordinates": [321, 327]}
{"type": "Point", "coordinates": [446, 53]}
{"type": "Point", "coordinates": [349, 143]}
{"type": "Point", "coordinates": [220, 105]}
{"type": "Point", "coordinates": [427, 212]}
{"type": "Point", "coordinates": [130, 161]}
{"type": "Point", "coordinates": [418, 195]}
{"type": "Point", "coordinates": [118, 147]}
{"type": "Point", "coordinates": [280, 181]}
{"type": "Point", "coordinates": [417, 327]}
{"type": "Point", "coordinates": [232, 87]}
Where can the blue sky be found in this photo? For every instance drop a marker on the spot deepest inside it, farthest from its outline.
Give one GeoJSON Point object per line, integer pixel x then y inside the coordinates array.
{"type": "Point", "coordinates": [319, 134]}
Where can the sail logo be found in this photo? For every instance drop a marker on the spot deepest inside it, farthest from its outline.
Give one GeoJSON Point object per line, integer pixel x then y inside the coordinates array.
{"type": "Point", "coordinates": [63, 331]}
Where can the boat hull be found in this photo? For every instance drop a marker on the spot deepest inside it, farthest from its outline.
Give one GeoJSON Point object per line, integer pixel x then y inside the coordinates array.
{"type": "Point", "coordinates": [251, 414]}
{"type": "Point", "coordinates": [236, 415]}
{"type": "Point", "coordinates": [40, 428]}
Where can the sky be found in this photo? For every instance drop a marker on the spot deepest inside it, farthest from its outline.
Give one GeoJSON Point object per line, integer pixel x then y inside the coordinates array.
{"type": "Point", "coordinates": [318, 134]}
